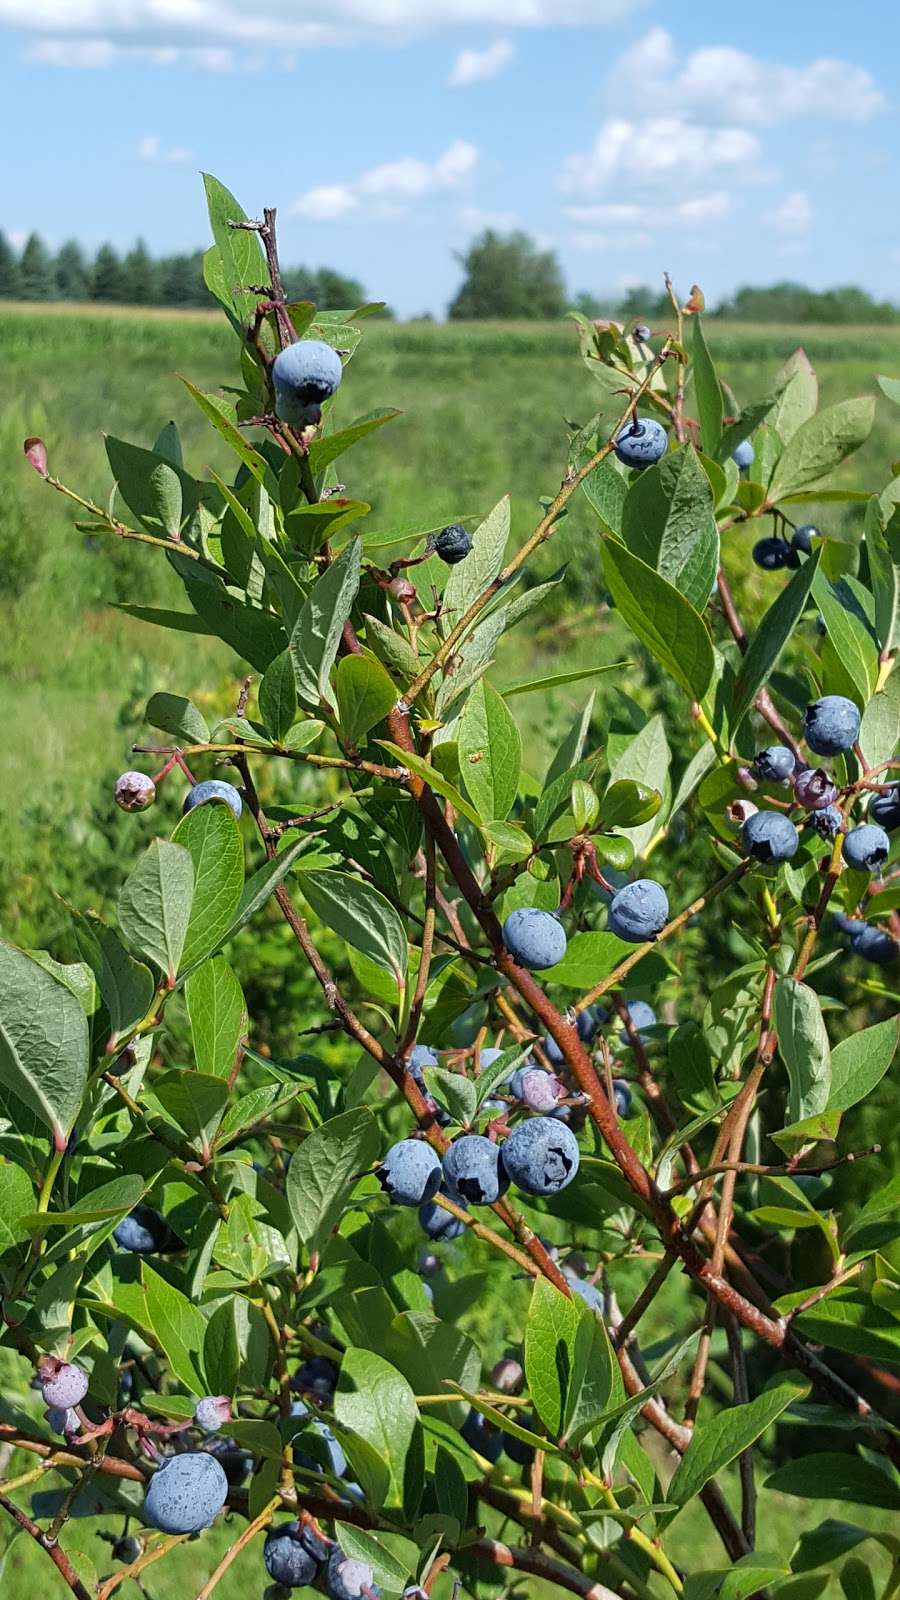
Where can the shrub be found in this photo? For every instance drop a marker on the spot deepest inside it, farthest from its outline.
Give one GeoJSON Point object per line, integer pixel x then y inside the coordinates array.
{"type": "Point", "coordinates": [186, 1198]}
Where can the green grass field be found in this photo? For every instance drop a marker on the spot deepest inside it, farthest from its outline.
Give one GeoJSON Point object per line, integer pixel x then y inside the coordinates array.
{"type": "Point", "coordinates": [483, 409]}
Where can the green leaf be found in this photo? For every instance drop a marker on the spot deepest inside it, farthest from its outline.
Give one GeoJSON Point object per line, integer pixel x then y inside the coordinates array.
{"type": "Point", "coordinates": [365, 695]}
{"type": "Point", "coordinates": [847, 1477]}
{"type": "Point", "coordinates": [278, 697]}
{"type": "Point", "coordinates": [16, 1202]}
{"type": "Point", "coordinates": [324, 451]}
{"type": "Point", "coordinates": [606, 488]}
{"type": "Point", "coordinates": [849, 1320]}
{"type": "Point", "coordinates": [490, 752]}
{"type": "Point", "coordinates": [571, 750]}
{"type": "Point", "coordinates": [359, 913]}
{"type": "Point", "coordinates": [179, 1325]}
{"type": "Point", "coordinates": [155, 904]}
{"type": "Point", "coordinates": [126, 986]}
{"type": "Point", "coordinates": [644, 761]}
{"type": "Point", "coordinates": [803, 1047]}
{"type": "Point", "coordinates": [391, 648]}
{"type": "Point", "coordinates": [44, 1044]}
{"type": "Point", "coordinates": [324, 1170]}
{"type": "Point", "coordinates": [263, 883]}
{"type": "Point", "coordinates": [196, 1103]}
{"type": "Point", "coordinates": [390, 1572]}
{"type": "Point", "coordinates": [821, 444]}
{"type": "Point", "coordinates": [150, 487]}
{"type": "Point", "coordinates": [591, 957]}
{"type": "Point", "coordinates": [708, 392]}
{"type": "Point", "coordinates": [240, 258]}
{"type": "Point", "coordinates": [221, 1351]}
{"type": "Point", "coordinates": [212, 838]}
{"type": "Point", "coordinates": [569, 1363]}
{"type": "Point", "coordinates": [375, 1402]}
{"type": "Point", "coordinates": [178, 716]}
{"type": "Point", "coordinates": [770, 639]}
{"type": "Point", "coordinates": [720, 1439]}
{"type": "Point", "coordinates": [468, 578]}
{"type": "Point", "coordinates": [256, 636]}
{"type": "Point", "coordinates": [221, 414]}
{"type": "Point", "coordinates": [499, 1070]}
{"type": "Point", "coordinates": [316, 635]}
{"type": "Point", "coordinates": [843, 607]}
{"type": "Point", "coordinates": [433, 777]}
{"type": "Point", "coordinates": [218, 1016]}
{"type": "Point", "coordinates": [891, 388]}
{"type": "Point", "coordinates": [180, 621]}
{"type": "Point", "coordinates": [749, 420]}
{"type": "Point", "coordinates": [453, 1090]}
{"type": "Point", "coordinates": [860, 1061]}
{"type": "Point", "coordinates": [626, 804]}
{"type": "Point", "coordinates": [884, 572]}
{"type": "Point", "coordinates": [669, 522]}
{"type": "Point", "coordinates": [557, 679]}
{"type": "Point", "coordinates": [247, 1246]}
{"type": "Point", "coordinates": [661, 619]}
{"type": "Point", "coordinates": [879, 733]}
{"type": "Point", "coordinates": [798, 399]}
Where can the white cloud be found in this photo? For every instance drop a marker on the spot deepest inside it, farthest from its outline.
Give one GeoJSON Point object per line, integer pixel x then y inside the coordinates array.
{"type": "Point", "coordinates": [670, 149]}
{"type": "Point", "coordinates": [392, 187]}
{"type": "Point", "coordinates": [100, 53]}
{"type": "Point", "coordinates": [591, 243]}
{"type": "Point", "coordinates": [477, 220]}
{"type": "Point", "coordinates": [476, 66]}
{"type": "Point", "coordinates": [209, 27]}
{"type": "Point", "coordinates": [719, 83]}
{"type": "Point", "coordinates": [652, 218]}
{"type": "Point", "coordinates": [150, 148]}
{"type": "Point", "coordinates": [793, 216]}
{"type": "Point", "coordinates": [79, 53]}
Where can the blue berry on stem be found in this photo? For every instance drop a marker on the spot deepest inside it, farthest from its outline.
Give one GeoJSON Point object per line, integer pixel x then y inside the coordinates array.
{"type": "Point", "coordinates": [622, 1097]}
{"type": "Point", "coordinates": [541, 1155]}
{"type": "Point", "coordinates": [346, 1579]}
{"type": "Point", "coordinates": [305, 375]}
{"type": "Point", "coordinates": [770, 836]}
{"type": "Point", "coordinates": [144, 1232]}
{"type": "Point", "coordinates": [410, 1173]}
{"type": "Point", "coordinates": [134, 791]}
{"type": "Point", "coordinates": [885, 809]}
{"type": "Point", "coordinates": [640, 1015]}
{"type": "Point", "coordinates": [287, 1559]}
{"type": "Point", "coordinates": [639, 911]}
{"type": "Point", "coordinates": [642, 442]}
{"type": "Point", "coordinates": [771, 554]}
{"type": "Point", "coordinates": [535, 939]}
{"type": "Point", "coordinates": [827, 822]}
{"type": "Point", "coordinates": [439, 1224]}
{"type": "Point", "coordinates": [775, 765]}
{"type": "Point", "coordinates": [453, 544]}
{"type": "Point", "coordinates": [473, 1168]}
{"type": "Point", "coordinates": [63, 1384]}
{"type": "Point", "coordinates": [831, 725]}
{"type": "Point", "coordinates": [186, 1493]}
{"type": "Point", "coordinates": [814, 788]}
{"type": "Point", "coordinates": [803, 538]}
{"type": "Point", "coordinates": [216, 791]}
{"type": "Point", "coordinates": [866, 848]}
{"type": "Point", "coordinates": [742, 454]}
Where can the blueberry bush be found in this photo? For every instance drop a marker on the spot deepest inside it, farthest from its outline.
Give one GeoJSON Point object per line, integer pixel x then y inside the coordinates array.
{"type": "Point", "coordinates": [236, 1277]}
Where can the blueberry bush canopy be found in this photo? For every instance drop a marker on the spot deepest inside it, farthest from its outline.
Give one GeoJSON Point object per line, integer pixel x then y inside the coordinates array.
{"type": "Point", "coordinates": [371, 1313]}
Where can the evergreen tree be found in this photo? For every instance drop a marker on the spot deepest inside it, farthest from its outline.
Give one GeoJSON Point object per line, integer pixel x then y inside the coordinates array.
{"type": "Point", "coordinates": [10, 277]}
{"type": "Point", "coordinates": [71, 273]}
{"type": "Point", "coordinates": [36, 270]}
{"type": "Point", "coordinates": [140, 277]}
{"type": "Point", "coordinates": [509, 277]}
{"type": "Point", "coordinates": [178, 280]}
{"type": "Point", "coordinates": [106, 277]}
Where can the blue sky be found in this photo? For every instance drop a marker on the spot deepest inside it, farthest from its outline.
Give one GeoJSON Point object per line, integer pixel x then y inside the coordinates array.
{"type": "Point", "coordinates": [729, 145]}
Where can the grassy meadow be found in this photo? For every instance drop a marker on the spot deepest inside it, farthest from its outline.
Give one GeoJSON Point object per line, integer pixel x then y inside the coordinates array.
{"type": "Point", "coordinates": [484, 410]}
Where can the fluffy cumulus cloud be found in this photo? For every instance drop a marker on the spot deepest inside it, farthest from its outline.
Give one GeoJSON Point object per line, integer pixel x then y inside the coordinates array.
{"type": "Point", "coordinates": [660, 150]}
{"type": "Point", "coordinates": [634, 225]}
{"type": "Point", "coordinates": [202, 33]}
{"type": "Point", "coordinates": [391, 188]}
{"type": "Point", "coordinates": [476, 66]}
{"type": "Point", "coordinates": [718, 83]}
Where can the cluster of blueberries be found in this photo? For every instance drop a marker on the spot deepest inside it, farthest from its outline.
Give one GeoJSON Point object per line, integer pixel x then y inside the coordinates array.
{"type": "Point", "coordinates": [135, 791]}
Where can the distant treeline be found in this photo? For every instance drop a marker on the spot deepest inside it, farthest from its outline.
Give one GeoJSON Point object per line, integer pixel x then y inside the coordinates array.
{"type": "Point", "coordinates": [139, 279]}
{"type": "Point", "coordinates": [503, 276]}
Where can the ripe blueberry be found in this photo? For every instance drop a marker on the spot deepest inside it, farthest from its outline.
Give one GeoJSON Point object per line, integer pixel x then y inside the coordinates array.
{"type": "Point", "coordinates": [421, 1056]}
{"type": "Point", "coordinates": [814, 788]}
{"type": "Point", "coordinates": [588, 1021]}
{"type": "Point", "coordinates": [885, 808]}
{"type": "Point", "coordinates": [641, 332]}
{"type": "Point", "coordinates": [235, 1462]}
{"type": "Point", "coordinates": [440, 1224]}
{"type": "Point", "coordinates": [622, 1097]}
{"type": "Point", "coordinates": [472, 1167]}
{"type": "Point", "coordinates": [639, 911]}
{"type": "Point", "coordinates": [874, 945]}
{"type": "Point", "coordinates": [305, 374]}
{"type": "Point", "coordinates": [831, 725]}
{"type": "Point", "coordinates": [63, 1384]}
{"type": "Point", "coordinates": [742, 454]}
{"type": "Point", "coordinates": [640, 1015]}
{"type": "Point", "coordinates": [286, 1557]}
{"type": "Point", "coordinates": [775, 765]}
{"type": "Point", "coordinates": [541, 1155]}
{"type": "Point", "coordinates": [803, 538]}
{"type": "Point", "coordinates": [186, 1493]}
{"type": "Point", "coordinates": [642, 442]}
{"type": "Point", "coordinates": [62, 1419]}
{"type": "Point", "coordinates": [346, 1580]}
{"type": "Point", "coordinates": [410, 1173]}
{"type": "Point", "coordinates": [317, 1376]}
{"type": "Point", "coordinates": [827, 822]}
{"type": "Point", "coordinates": [453, 544]}
{"type": "Point", "coordinates": [535, 939]}
{"type": "Point", "coordinates": [127, 1549]}
{"type": "Point", "coordinates": [213, 789]}
{"type": "Point", "coordinates": [478, 1432]}
{"type": "Point", "coordinates": [771, 554]}
{"type": "Point", "coordinates": [770, 836]}
{"type": "Point", "coordinates": [135, 791]}
{"type": "Point", "coordinates": [212, 1412]}
{"type": "Point", "coordinates": [144, 1232]}
{"type": "Point", "coordinates": [866, 847]}
{"type": "Point", "coordinates": [540, 1090]}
